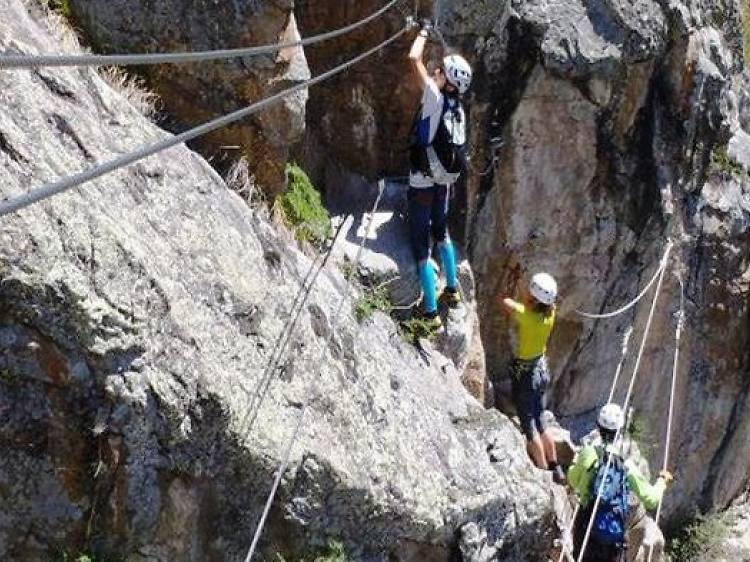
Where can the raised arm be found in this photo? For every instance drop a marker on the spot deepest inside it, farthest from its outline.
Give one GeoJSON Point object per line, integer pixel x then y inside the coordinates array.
{"type": "Point", "coordinates": [416, 56]}
{"type": "Point", "coordinates": [510, 305]}
{"type": "Point", "coordinates": [511, 284]}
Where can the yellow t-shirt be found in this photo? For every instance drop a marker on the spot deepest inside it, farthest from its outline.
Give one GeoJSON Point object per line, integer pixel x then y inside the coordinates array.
{"type": "Point", "coordinates": [534, 330]}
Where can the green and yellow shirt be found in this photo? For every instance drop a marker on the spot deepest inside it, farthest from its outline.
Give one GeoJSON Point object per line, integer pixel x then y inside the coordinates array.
{"type": "Point", "coordinates": [534, 330]}
{"type": "Point", "coordinates": [582, 473]}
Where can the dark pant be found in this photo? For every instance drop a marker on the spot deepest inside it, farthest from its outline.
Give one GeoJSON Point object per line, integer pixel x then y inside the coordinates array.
{"type": "Point", "coordinates": [428, 214]}
{"type": "Point", "coordinates": [595, 551]}
{"type": "Point", "coordinates": [530, 380]}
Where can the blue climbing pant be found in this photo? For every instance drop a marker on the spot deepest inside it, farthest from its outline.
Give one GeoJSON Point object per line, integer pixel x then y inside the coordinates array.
{"type": "Point", "coordinates": [428, 222]}
{"type": "Point", "coordinates": [448, 257]}
{"type": "Point", "coordinates": [428, 278]}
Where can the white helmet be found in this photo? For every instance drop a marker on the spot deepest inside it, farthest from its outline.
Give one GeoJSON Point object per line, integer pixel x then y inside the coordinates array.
{"type": "Point", "coordinates": [543, 288]}
{"type": "Point", "coordinates": [611, 417]}
{"type": "Point", "coordinates": [458, 72]}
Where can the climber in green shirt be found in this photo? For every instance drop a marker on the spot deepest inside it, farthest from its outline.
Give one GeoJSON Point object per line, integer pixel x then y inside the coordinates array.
{"type": "Point", "coordinates": [589, 476]}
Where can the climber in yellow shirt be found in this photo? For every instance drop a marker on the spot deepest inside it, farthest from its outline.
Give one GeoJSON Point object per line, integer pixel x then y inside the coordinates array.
{"type": "Point", "coordinates": [534, 318]}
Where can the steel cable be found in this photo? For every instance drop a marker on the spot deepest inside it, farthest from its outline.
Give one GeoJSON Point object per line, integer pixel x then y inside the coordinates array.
{"type": "Point", "coordinates": [672, 392]}
{"type": "Point", "coordinates": [280, 346]}
{"type": "Point", "coordinates": [311, 389]}
{"type": "Point", "coordinates": [37, 61]}
{"type": "Point", "coordinates": [44, 192]}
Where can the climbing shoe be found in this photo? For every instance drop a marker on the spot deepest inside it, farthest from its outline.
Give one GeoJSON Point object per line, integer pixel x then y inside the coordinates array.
{"type": "Point", "coordinates": [432, 321]}
{"type": "Point", "coordinates": [451, 297]}
{"type": "Point", "coordinates": [558, 475]}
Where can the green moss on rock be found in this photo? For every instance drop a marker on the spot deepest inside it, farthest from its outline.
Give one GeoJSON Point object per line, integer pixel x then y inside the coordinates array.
{"type": "Point", "coordinates": [302, 207]}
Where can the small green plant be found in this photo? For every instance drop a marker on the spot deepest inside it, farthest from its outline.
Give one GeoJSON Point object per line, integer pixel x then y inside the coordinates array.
{"type": "Point", "coordinates": [62, 7]}
{"type": "Point", "coordinates": [701, 538]}
{"type": "Point", "coordinates": [334, 552]}
{"type": "Point", "coordinates": [371, 301]}
{"type": "Point", "coordinates": [65, 557]}
{"type": "Point", "coordinates": [414, 329]}
{"type": "Point", "coordinates": [302, 207]}
{"type": "Point", "coordinates": [720, 13]}
{"type": "Point", "coordinates": [348, 270]}
{"type": "Point", "coordinates": [721, 162]}
{"type": "Point", "coordinates": [8, 377]}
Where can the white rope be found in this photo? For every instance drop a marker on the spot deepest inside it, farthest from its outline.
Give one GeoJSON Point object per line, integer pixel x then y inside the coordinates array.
{"type": "Point", "coordinates": [625, 342]}
{"type": "Point", "coordinates": [628, 396]}
{"type": "Point", "coordinates": [36, 61]}
{"type": "Point", "coordinates": [636, 300]}
{"type": "Point", "coordinates": [75, 180]}
{"type": "Point", "coordinates": [311, 389]}
{"type": "Point", "coordinates": [675, 365]}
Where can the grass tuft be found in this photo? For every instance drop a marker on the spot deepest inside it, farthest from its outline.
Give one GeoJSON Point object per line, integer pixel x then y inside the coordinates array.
{"type": "Point", "coordinates": [302, 208]}
{"type": "Point", "coordinates": [82, 557]}
{"type": "Point", "coordinates": [242, 181]}
{"type": "Point", "coordinates": [722, 162]}
{"type": "Point", "coordinates": [132, 88]}
{"type": "Point", "coordinates": [371, 301]}
{"type": "Point", "coordinates": [334, 552]}
{"type": "Point", "coordinates": [701, 539]}
{"type": "Point", "coordinates": [414, 329]}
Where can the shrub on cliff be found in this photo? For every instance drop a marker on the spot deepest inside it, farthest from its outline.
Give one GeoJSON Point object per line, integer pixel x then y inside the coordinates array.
{"type": "Point", "coordinates": [302, 207]}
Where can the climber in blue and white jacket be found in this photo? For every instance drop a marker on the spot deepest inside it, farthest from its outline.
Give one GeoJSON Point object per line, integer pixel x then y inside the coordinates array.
{"type": "Point", "coordinates": [437, 158]}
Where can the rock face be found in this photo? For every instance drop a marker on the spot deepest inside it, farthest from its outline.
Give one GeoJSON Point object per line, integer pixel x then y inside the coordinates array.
{"type": "Point", "coordinates": [358, 122]}
{"type": "Point", "coordinates": [387, 261]}
{"type": "Point", "coordinates": [736, 547]}
{"type": "Point", "coordinates": [600, 129]}
{"type": "Point", "coordinates": [612, 115]}
{"type": "Point", "coordinates": [195, 93]}
{"type": "Point", "coordinates": [138, 315]}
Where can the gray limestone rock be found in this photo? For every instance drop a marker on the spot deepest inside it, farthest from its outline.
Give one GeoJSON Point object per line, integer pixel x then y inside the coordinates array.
{"type": "Point", "coordinates": [193, 93]}
{"type": "Point", "coordinates": [138, 317]}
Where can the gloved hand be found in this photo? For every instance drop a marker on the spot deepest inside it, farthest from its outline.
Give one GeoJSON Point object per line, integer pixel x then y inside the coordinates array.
{"type": "Point", "coordinates": [668, 477]}
{"type": "Point", "coordinates": [427, 26]}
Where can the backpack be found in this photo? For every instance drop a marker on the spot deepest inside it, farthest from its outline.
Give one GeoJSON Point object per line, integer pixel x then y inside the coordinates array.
{"type": "Point", "coordinates": [449, 142]}
{"type": "Point", "coordinates": [610, 519]}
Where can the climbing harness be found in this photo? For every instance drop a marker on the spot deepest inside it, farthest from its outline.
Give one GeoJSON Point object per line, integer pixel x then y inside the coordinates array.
{"type": "Point", "coordinates": [311, 389]}
{"type": "Point", "coordinates": [626, 403]}
{"type": "Point", "coordinates": [37, 61]}
{"type": "Point", "coordinates": [637, 299]}
{"type": "Point", "coordinates": [44, 192]}
{"type": "Point", "coordinates": [677, 338]}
